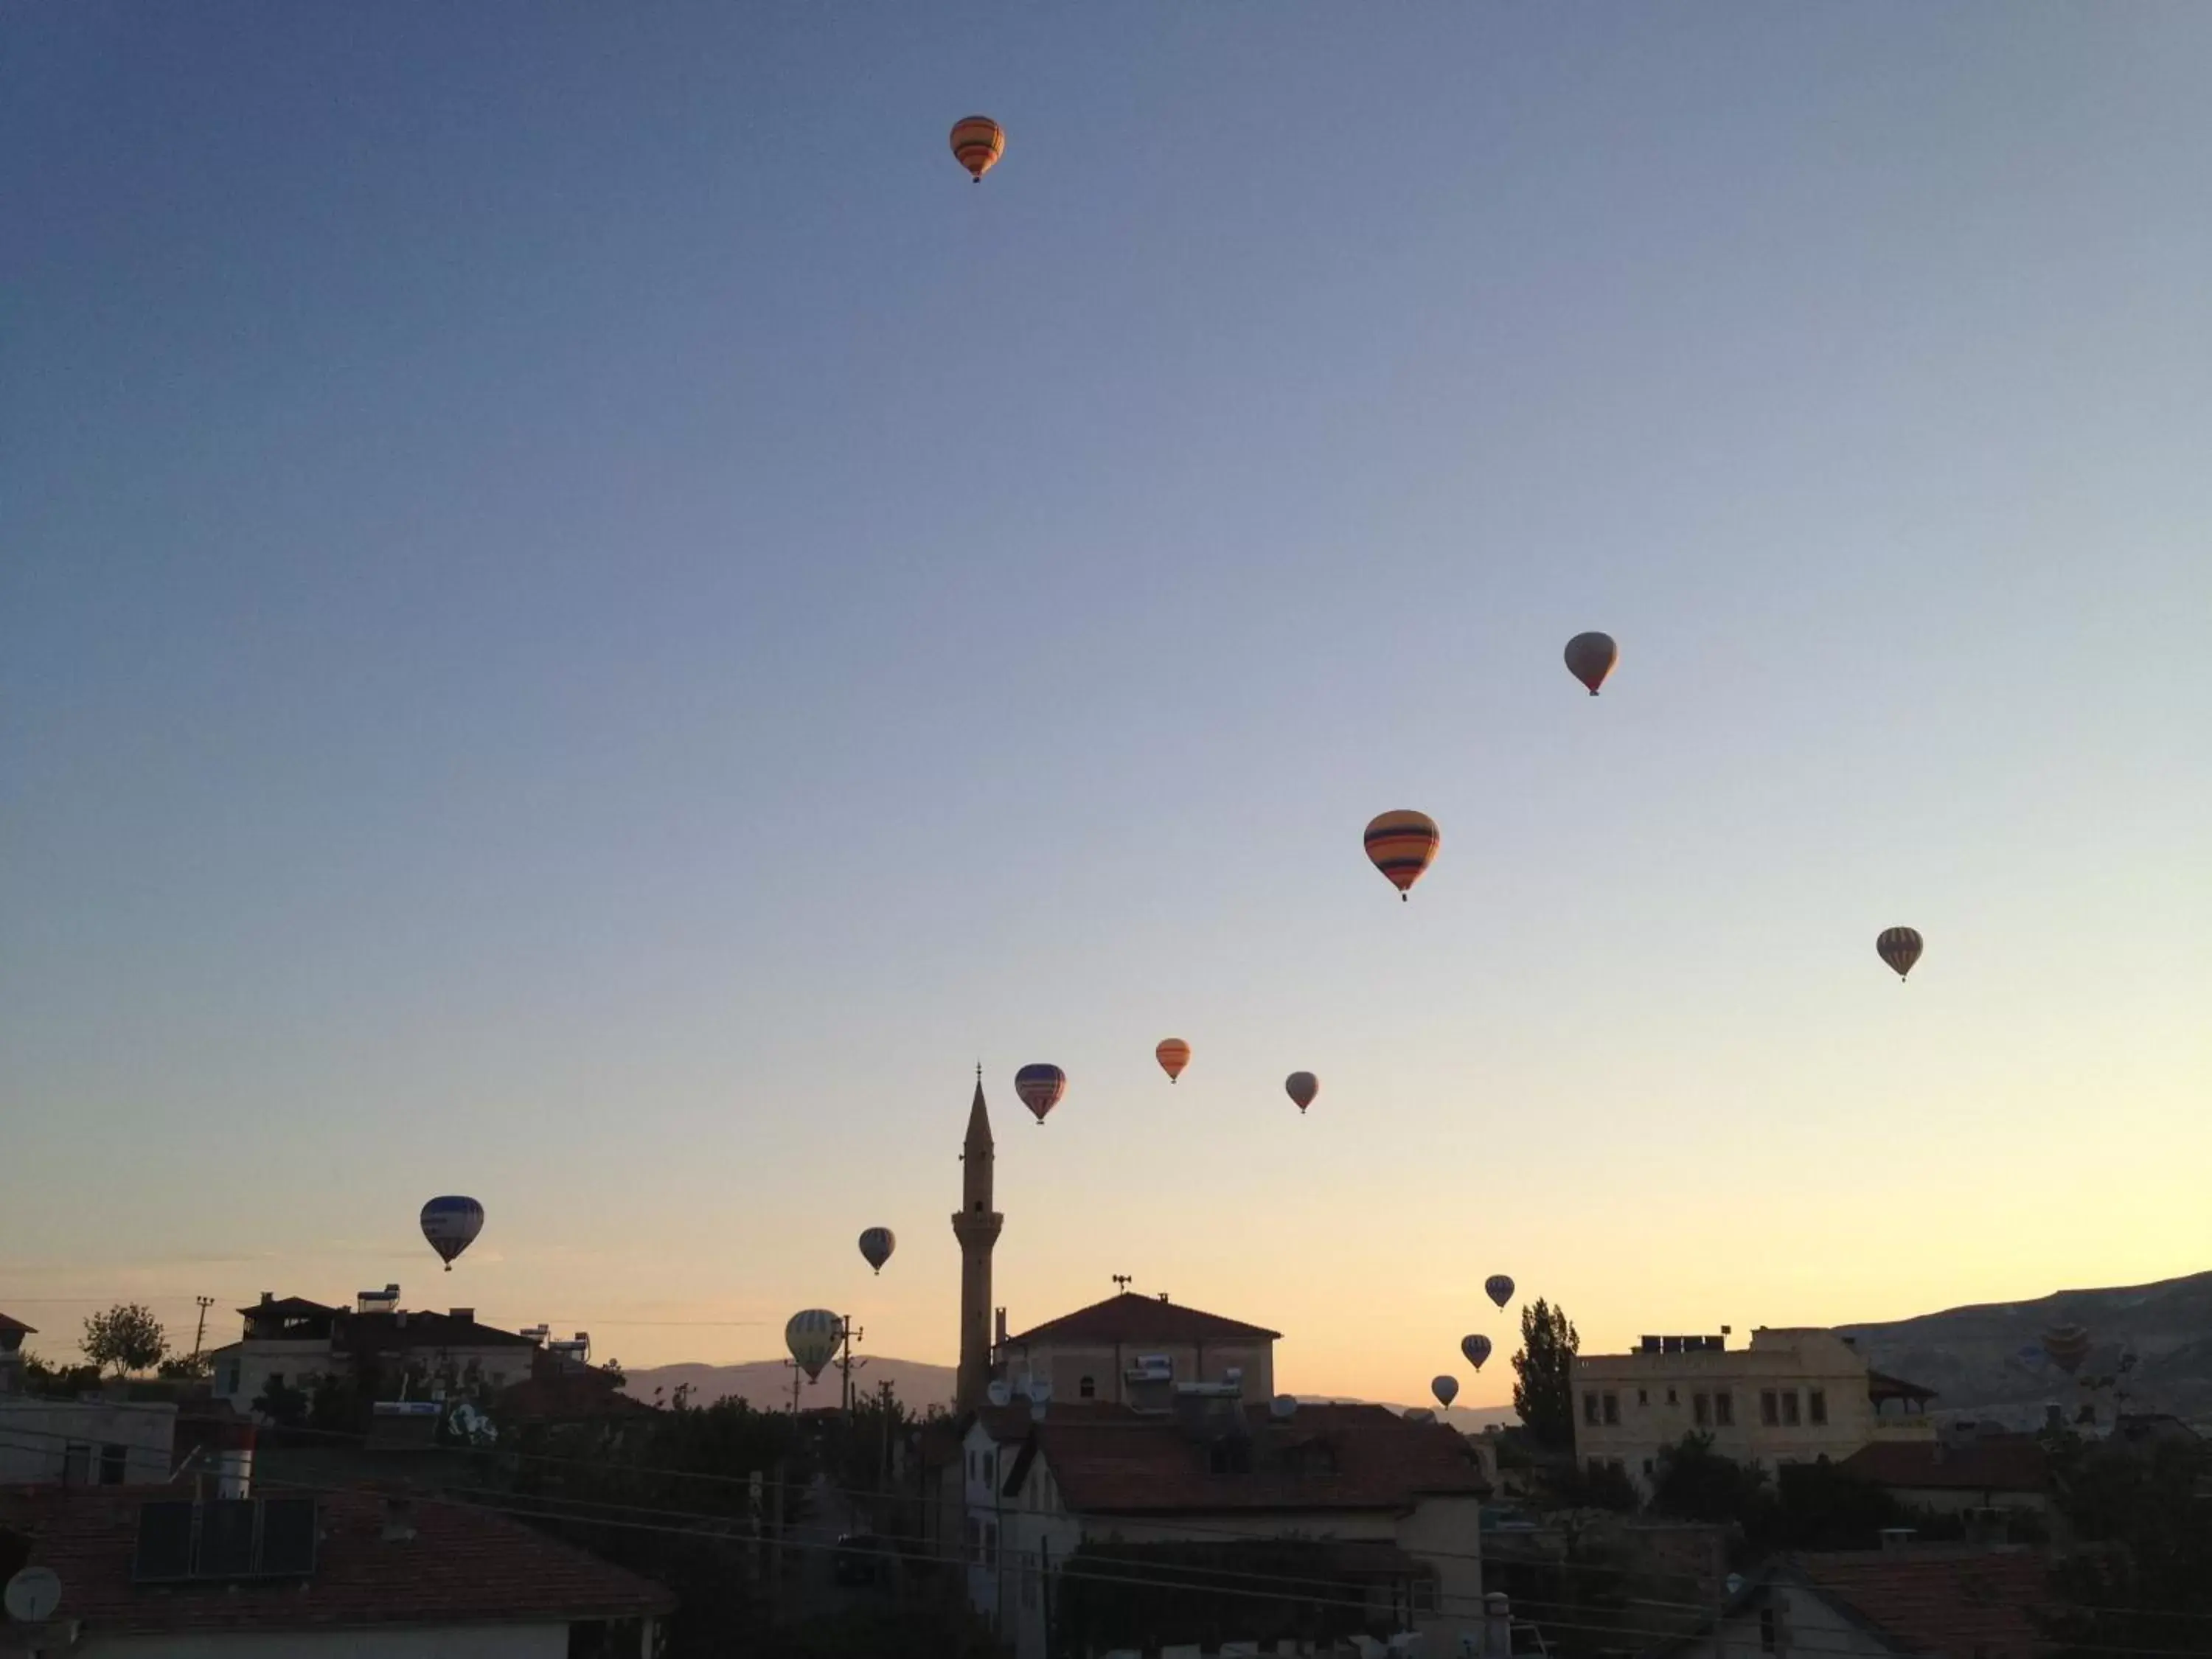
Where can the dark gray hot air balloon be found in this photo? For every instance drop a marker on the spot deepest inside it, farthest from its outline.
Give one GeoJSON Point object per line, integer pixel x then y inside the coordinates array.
{"type": "Point", "coordinates": [876, 1245]}
{"type": "Point", "coordinates": [1446, 1389]}
{"type": "Point", "coordinates": [1900, 947]}
{"type": "Point", "coordinates": [1590, 657]}
{"type": "Point", "coordinates": [1476, 1348]}
{"type": "Point", "coordinates": [1499, 1287]}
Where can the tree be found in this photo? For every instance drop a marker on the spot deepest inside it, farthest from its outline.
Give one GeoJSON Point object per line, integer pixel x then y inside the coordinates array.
{"type": "Point", "coordinates": [1545, 1392]}
{"type": "Point", "coordinates": [2145, 1513]}
{"type": "Point", "coordinates": [127, 1337]}
{"type": "Point", "coordinates": [282, 1404]}
{"type": "Point", "coordinates": [186, 1368]}
{"type": "Point", "coordinates": [1696, 1483]}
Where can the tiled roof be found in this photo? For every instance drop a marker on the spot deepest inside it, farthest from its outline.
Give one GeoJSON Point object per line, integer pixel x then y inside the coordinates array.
{"type": "Point", "coordinates": [463, 1565]}
{"type": "Point", "coordinates": [1133, 1320]}
{"type": "Point", "coordinates": [380, 1333]}
{"type": "Point", "coordinates": [1962, 1604]}
{"type": "Point", "coordinates": [1327, 1457]}
{"type": "Point", "coordinates": [2001, 1463]}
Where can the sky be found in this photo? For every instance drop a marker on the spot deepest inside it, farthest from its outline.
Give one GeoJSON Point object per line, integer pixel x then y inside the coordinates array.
{"type": "Point", "coordinates": [584, 622]}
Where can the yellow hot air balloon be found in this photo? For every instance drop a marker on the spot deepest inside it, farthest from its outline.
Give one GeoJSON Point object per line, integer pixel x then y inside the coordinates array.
{"type": "Point", "coordinates": [1173, 1054]}
{"type": "Point", "coordinates": [978, 142]}
{"type": "Point", "coordinates": [1402, 846]}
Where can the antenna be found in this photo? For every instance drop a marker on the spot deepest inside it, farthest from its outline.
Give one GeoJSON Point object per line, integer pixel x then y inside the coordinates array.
{"type": "Point", "coordinates": [1121, 1283]}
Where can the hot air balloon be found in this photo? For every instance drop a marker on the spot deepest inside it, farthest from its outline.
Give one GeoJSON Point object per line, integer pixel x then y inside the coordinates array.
{"type": "Point", "coordinates": [1302, 1087]}
{"type": "Point", "coordinates": [1476, 1348]}
{"type": "Point", "coordinates": [1173, 1054]}
{"type": "Point", "coordinates": [2068, 1346]}
{"type": "Point", "coordinates": [1446, 1389]}
{"type": "Point", "coordinates": [1900, 947]}
{"type": "Point", "coordinates": [1040, 1087]}
{"type": "Point", "coordinates": [1499, 1287]}
{"type": "Point", "coordinates": [876, 1245]}
{"type": "Point", "coordinates": [812, 1336]}
{"type": "Point", "coordinates": [1402, 845]}
{"type": "Point", "coordinates": [978, 142]}
{"type": "Point", "coordinates": [1590, 657]}
{"type": "Point", "coordinates": [451, 1226]}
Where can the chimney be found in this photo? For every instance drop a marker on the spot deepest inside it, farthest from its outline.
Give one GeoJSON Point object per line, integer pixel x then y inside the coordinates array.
{"type": "Point", "coordinates": [1001, 1341]}
{"type": "Point", "coordinates": [1163, 1296]}
{"type": "Point", "coordinates": [267, 1297]}
{"type": "Point", "coordinates": [233, 1461]}
{"type": "Point", "coordinates": [1497, 1625]}
{"type": "Point", "coordinates": [462, 1315]}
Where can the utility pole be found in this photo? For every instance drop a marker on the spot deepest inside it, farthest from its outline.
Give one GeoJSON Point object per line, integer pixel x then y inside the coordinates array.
{"type": "Point", "coordinates": [847, 1334]}
{"type": "Point", "coordinates": [200, 1333]}
{"type": "Point", "coordinates": [795, 1380]}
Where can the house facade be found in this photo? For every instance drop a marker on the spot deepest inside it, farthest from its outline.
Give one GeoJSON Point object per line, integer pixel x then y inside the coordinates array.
{"type": "Point", "coordinates": [293, 1340]}
{"type": "Point", "coordinates": [1385, 1511]}
{"type": "Point", "coordinates": [1791, 1396]}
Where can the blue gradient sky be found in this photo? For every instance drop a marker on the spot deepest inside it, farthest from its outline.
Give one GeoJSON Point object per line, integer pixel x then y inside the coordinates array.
{"type": "Point", "coordinates": [582, 621]}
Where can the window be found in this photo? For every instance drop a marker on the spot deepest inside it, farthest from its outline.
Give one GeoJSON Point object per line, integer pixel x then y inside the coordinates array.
{"type": "Point", "coordinates": [1612, 1409]}
{"type": "Point", "coordinates": [1643, 1397]}
{"type": "Point", "coordinates": [1029, 1578]}
{"type": "Point", "coordinates": [991, 1468]}
{"type": "Point", "coordinates": [1590, 1409]}
{"type": "Point", "coordinates": [1670, 1398]}
{"type": "Point", "coordinates": [1088, 1388]}
{"type": "Point", "coordinates": [1789, 1408]}
{"type": "Point", "coordinates": [1770, 1407]}
{"type": "Point", "coordinates": [114, 1461]}
{"type": "Point", "coordinates": [991, 1544]}
{"type": "Point", "coordinates": [231, 1378]}
{"type": "Point", "coordinates": [1816, 1405]}
{"type": "Point", "coordinates": [971, 1465]}
{"type": "Point", "coordinates": [1701, 1408]}
{"type": "Point", "coordinates": [1766, 1630]}
{"type": "Point", "coordinates": [975, 1541]}
{"type": "Point", "coordinates": [1648, 1470]}
{"type": "Point", "coordinates": [1724, 1409]}
{"type": "Point", "coordinates": [1425, 1595]}
{"type": "Point", "coordinates": [77, 1463]}
{"type": "Point", "coordinates": [1618, 1466]}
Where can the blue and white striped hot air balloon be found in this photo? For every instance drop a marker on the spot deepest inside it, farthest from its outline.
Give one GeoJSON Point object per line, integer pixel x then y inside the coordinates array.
{"type": "Point", "coordinates": [451, 1226]}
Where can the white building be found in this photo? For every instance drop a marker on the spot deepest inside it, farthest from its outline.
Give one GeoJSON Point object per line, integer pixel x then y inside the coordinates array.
{"type": "Point", "coordinates": [1792, 1396]}
{"type": "Point", "coordinates": [86, 1442]}
{"type": "Point", "coordinates": [293, 1340]}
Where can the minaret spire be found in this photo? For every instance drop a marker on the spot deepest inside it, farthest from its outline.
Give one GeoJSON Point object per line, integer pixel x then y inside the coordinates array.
{"type": "Point", "coordinates": [976, 1227]}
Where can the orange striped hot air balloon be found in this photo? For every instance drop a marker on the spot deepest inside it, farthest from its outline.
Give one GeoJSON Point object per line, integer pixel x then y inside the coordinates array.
{"type": "Point", "coordinates": [978, 142]}
{"type": "Point", "coordinates": [1402, 846]}
{"type": "Point", "coordinates": [1173, 1054]}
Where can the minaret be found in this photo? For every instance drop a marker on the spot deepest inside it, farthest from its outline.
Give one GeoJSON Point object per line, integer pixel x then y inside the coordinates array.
{"type": "Point", "coordinates": [976, 1227]}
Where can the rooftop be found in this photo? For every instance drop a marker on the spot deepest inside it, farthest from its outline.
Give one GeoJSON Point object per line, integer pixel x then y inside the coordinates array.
{"type": "Point", "coordinates": [1999, 1463]}
{"type": "Point", "coordinates": [17, 1326]}
{"type": "Point", "coordinates": [1129, 1319]}
{"type": "Point", "coordinates": [460, 1565]}
{"type": "Point", "coordinates": [1962, 1603]}
{"type": "Point", "coordinates": [1110, 1460]}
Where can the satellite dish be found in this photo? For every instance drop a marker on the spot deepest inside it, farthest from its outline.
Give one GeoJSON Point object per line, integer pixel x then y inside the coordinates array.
{"type": "Point", "coordinates": [999, 1394]}
{"type": "Point", "coordinates": [1283, 1407]}
{"type": "Point", "coordinates": [34, 1594]}
{"type": "Point", "coordinates": [1040, 1391]}
{"type": "Point", "coordinates": [1736, 1583]}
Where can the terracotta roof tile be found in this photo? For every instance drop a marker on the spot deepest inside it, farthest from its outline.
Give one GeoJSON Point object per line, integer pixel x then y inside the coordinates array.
{"type": "Point", "coordinates": [1327, 1457]}
{"type": "Point", "coordinates": [1961, 1604]}
{"type": "Point", "coordinates": [463, 1565]}
{"type": "Point", "coordinates": [1129, 1318]}
{"type": "Point", "coordinates": [2011, 1463]}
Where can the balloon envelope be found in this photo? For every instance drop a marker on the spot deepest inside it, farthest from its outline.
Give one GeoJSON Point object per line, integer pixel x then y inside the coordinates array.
{"type": "Point", "coordinates": [1402, 845]}
{"type": "Point", "coordinates": [1040, 1087]}
{"type": "Point", "coordinates": [1900, 947]}
{"type": "Point", "coordinates": [1476, 1348]}
{"type": "Point", "coordinates": [1446, 1389]}
{"type": "Point", "coordinates": [1173, 1054]}
{"type": "Point", "coordinates": [1302, 1087]}
{"type": "Point", "coordinates": [2068, 1346]}
{"type": "Point", "coordinates": [812, 1337]}
{"type": "Point", "coordinates": [1499, 1287]}
{"type": "Point", "coordinates": [1590, 657]}
{"type": "Point", "coordinates": [451, 1226]}
{"type": "Point", "coordinates": [978, 142]}
{"type": "Point", "coordinates": [876, 1245]}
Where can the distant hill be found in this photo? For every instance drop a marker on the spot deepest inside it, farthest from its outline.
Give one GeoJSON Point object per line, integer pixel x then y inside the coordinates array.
{"type": "Point", "coordinates": [1973, 1357]}
{"type": "Point", "coordinates": [765, 1384]}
